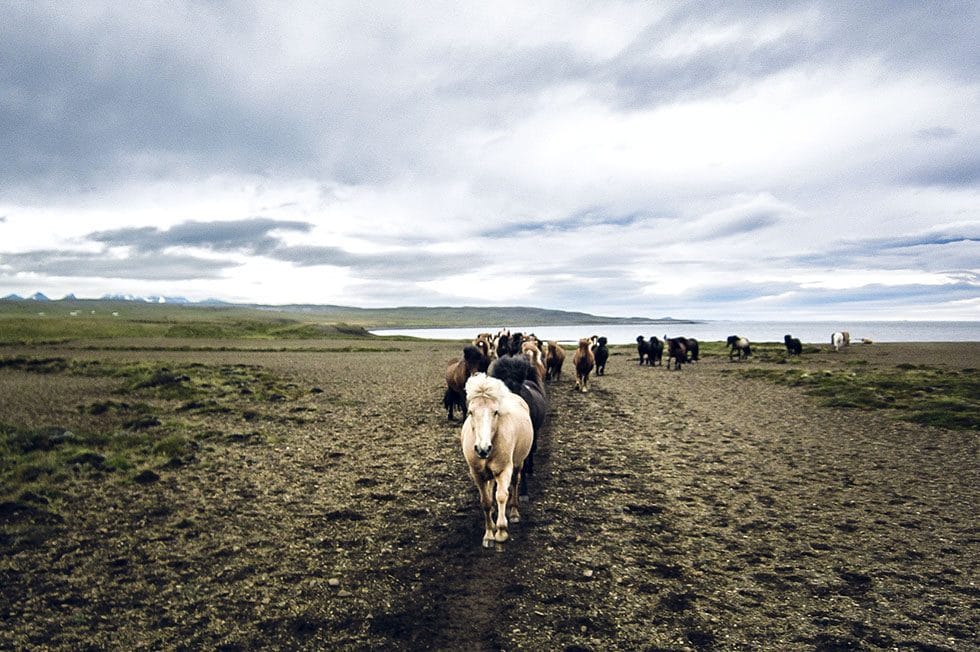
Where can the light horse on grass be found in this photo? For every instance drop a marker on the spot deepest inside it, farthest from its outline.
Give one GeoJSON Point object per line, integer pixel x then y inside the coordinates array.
{"type": "Point", "coordinates": [740, 347]}
{"type": "Point", "coordinates": [840, 339]}
{"type": "Point", "coordinates": [496, 437]}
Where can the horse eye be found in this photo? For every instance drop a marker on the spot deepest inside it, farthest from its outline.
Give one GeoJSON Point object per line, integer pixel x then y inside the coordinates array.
{"type": "Point", "coordinates": [496, 413]}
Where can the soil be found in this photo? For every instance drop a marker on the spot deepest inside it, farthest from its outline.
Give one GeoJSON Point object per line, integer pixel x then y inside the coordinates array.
{"type": "Point", "coordinates": [670, 510]}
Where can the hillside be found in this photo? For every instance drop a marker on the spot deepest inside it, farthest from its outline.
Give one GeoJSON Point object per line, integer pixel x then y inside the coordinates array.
{"type": "Point", "coordinates": [23, 320]}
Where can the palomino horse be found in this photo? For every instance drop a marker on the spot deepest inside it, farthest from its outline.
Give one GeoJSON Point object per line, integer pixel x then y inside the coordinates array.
{"type": "Point", "coordinates": [740, 347]}
{"type": "Point", "coordinates": [457, 371]}
{"type": "Point", "coordinates": [521, 378]}
{"type": "Point", "coordinates": [496, 437]}
{"type": "Point", "coordinates": [584, 362]}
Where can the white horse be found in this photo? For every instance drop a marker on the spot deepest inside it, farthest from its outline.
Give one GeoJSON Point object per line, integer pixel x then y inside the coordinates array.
{"type": "Point", "coordinates": [496, 438]}
{"type": "Point", "coordinates": [839, 340]}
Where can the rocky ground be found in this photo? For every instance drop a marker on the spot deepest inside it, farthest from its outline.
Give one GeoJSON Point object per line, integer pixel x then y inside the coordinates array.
{"type": "Point", "coordinates": [696, 510]}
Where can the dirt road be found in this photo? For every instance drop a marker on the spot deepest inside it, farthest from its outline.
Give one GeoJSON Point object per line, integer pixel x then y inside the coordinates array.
{"type": "Point", "coordinates": [670, 510]}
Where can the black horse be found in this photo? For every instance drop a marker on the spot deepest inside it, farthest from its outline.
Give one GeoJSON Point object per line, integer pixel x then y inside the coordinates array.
{"type": "Point", "coordinates": [601, 353]}
{"type": "Point", "coordinates": [643, 349]}
{"type": "Point", "coordinates": [656, 354]}
{"type": "Point", "coordinates": [793, 345]}
{"type": "Point", "coordinates": [520, 377]}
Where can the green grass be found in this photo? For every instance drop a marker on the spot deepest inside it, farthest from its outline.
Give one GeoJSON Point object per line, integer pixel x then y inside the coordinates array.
{"type": "Point", "coordinates": [28, 322]}
{"type": "Point", "coordinates": [921, 394]}
{"type": "Point", "coordinates": [152, 418]}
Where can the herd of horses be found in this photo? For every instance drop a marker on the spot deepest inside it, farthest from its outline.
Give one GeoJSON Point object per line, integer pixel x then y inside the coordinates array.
{"type": "Point", "coordinates": [500, 385]}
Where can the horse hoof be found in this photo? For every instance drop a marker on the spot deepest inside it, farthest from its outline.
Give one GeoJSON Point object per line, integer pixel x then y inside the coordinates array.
{"type": "Point", "coordinates": [488, 543]}
{"type": "Point", "coordinates": [501, 536]}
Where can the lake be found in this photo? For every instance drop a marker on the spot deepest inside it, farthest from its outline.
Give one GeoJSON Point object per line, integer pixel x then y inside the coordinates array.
{"type": "Point", "coordinates": [710, 331]}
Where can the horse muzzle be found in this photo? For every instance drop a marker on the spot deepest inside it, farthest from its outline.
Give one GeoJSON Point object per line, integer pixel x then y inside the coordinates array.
{"type": "Point", "coordinates": [483, 453]}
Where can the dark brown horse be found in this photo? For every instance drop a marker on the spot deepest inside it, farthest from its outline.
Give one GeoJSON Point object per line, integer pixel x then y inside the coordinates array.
{"type": "Point", "coordinates": [676, 351]}
{"type": "Point", "coordinates": [457, 372]}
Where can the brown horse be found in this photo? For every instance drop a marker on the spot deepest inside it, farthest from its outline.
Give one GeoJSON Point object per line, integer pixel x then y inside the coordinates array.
{"type": "Point", "coordinates": [530, 350]}
{"type": "Point", "coordinates": [554, 358]}
{"type": "Point", "coordinates": [584, 362]}
{"type": "Point", "coordinates": [483, 345]}
{"type": "Point", "coordinates": [496, 437]}
{"type": "Point", "coordinates": [457, 371]}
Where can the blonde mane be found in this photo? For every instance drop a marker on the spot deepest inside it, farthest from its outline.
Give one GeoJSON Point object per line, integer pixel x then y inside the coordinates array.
{"type": "Point", "coordinates": [487, 387]}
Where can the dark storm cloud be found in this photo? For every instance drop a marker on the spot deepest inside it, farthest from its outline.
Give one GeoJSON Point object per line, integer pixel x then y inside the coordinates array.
{"type": "Point", "coordinates": [247, 235]}
{"type": "Point", "coordinates": [144, 266]}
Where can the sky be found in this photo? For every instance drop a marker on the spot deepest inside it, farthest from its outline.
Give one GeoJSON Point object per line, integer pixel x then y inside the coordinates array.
{"type": "Point", "coordinates": [703, 160]}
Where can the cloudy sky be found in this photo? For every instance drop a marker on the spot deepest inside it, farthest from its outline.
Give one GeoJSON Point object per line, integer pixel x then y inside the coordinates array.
{"type": "Point", "coordinates": [701, 160]}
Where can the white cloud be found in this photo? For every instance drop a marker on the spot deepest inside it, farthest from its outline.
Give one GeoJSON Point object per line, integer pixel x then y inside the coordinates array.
{"type": "Point", "coordinates": [579, 155]}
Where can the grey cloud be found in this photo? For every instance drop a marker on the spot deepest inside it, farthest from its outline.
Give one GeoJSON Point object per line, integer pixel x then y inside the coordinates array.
{"type": "Point", "coordinates": [936, 133]}
{"type": "Point", "coordinates": [964, 171]}
{"type": "Point", "coordinates": [740, 225]}
{"type": "Point", "coordinates": [146, 266]}
{"type": "Point", "coordinates": [418, 266]}
{"type": "Point", "coordinates": [250, 235]}
{"type": "Point", "coordinates": [934, 251]}
{"type": "Point", "coordinates": [584, 219]}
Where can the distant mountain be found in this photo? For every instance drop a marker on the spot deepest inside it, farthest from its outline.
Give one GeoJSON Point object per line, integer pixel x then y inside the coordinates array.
{"type": "Point", "coordinates": [37, 296]}
{"type": "Point", "coordinates": [69, 297]}
{"type": "Point", "coordinates": [149, 299]}
{"type": "Point", "coordinates": [13, 297]}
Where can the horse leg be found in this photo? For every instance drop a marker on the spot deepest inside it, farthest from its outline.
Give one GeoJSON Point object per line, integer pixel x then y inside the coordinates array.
{"type": "Point", "coordinates": [526, 469]}
{"type": "Point", "coordinates": [513, 513]}
{"type": "Point", "coordinates": [503, 494]}
{"type": "Point", "coordinates": [486, 501]}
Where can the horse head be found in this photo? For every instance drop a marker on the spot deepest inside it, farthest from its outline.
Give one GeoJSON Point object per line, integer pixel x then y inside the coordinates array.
{"type": "Point", "coordinates": [484, 395]}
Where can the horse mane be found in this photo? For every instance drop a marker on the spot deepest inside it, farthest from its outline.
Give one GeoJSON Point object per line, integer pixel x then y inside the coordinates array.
{"type": "Point", "coordinates": [513, 370]}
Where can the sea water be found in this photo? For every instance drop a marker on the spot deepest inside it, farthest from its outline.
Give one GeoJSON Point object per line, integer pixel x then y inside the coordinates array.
{"type": "Point", "coordinates": [712, 331]}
